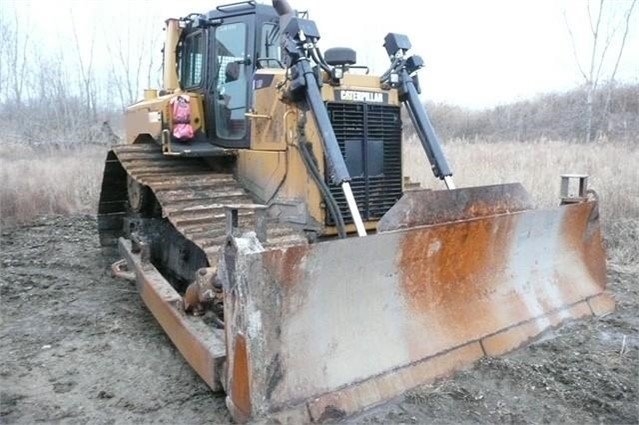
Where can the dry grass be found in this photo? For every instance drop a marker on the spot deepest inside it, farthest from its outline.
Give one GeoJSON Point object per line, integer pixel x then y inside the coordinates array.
{"type": "Point", "coordinates": [49, 181]}
{"type": "Point", "coordinates": [613, 170]}
{"type": "Point", "coordinates": [67, 180]}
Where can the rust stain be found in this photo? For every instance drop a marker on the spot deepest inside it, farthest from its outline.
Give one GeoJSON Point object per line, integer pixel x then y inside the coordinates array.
{"type": "Point", "coordinates": [456, 280]}
{"type": "Point", "coordinates": [161, 300]}
{"type": "Point", "coordinates": [286, 264]}
{"type": "Point", "coordinates": [582, 234]}
{"type": "Point", "coordinates": [444, 266]}
{"type": "Point", "coordinates": [240, 386]}
{"type": "Point", "coordinates": [467, 279]}
{"type": "Point", "coordinates": [427, 207]}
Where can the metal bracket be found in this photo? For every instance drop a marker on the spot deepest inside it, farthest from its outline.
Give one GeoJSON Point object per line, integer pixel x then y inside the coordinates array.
{"type": "Point", "coordinates": [166, 141]}
{"type": "Point", "coordinates": [140, 246]}
{"type": "Point", "coordinates": [567, 193]}
{"type": "Point", "coordinates": [233, 219]}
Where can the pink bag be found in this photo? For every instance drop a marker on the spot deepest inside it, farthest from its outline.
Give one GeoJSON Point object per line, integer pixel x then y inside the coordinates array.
{"type": "Point", "coordinates": [182, 129]}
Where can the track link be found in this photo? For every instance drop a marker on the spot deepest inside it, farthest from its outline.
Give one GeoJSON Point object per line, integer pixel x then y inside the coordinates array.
{"type": "Point", "coordinates": [192, 197]}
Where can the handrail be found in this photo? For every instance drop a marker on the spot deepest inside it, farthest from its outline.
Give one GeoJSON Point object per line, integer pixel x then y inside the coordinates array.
{"type": "Point", "coordinates": [249, 3]}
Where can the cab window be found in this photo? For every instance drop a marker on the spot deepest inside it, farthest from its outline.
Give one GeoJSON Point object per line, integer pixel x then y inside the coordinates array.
{"type": "Point", "coordinates": [269, 52]}
{"type": "Point", "coordinates": [192, 60]}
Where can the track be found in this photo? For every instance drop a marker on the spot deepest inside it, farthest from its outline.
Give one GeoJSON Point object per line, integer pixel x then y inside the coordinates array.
{"type": "Point", "coordinates": [192, 197]}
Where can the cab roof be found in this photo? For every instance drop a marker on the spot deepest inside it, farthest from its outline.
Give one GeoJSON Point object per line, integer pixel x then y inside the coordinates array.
{"type": "Point", "coordinates": [242, 8]}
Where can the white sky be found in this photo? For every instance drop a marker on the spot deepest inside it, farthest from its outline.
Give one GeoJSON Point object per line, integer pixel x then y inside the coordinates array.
{"type": "Point", "coordinates": [477, 53]}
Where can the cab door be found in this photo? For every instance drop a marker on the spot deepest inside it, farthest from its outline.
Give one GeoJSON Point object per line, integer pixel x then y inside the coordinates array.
{"type": "Point", "coordinates": [231, 55]}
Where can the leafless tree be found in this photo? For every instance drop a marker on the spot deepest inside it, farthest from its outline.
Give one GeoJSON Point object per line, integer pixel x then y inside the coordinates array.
{"type": "Point", "coordinates": [85, 67]}
{"type": "Point", "coordinates": [602, 39]}
{"type": "Point", "coordinates": [611, 82]}
{"type": "Point", "coordinates": [4, 31]}
{"type": "Point", "coordinates": [133, 58]}
{"type": "Point", "coordinates": [14, 47]}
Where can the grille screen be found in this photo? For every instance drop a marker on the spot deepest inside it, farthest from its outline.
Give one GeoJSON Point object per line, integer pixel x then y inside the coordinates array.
{"type": "Point", "coordinates": [369, 136]}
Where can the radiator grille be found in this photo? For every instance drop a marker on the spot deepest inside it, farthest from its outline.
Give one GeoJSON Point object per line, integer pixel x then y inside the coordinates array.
{"type": "Point", "coordinates": [369, 136]}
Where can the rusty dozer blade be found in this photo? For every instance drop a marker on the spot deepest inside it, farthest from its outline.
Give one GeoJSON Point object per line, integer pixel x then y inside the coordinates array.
{"type": "Point", "coordinates": [324, 330]}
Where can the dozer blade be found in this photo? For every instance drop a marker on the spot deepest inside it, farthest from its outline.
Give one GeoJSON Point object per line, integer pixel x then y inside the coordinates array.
{"type": "Point", "coordinates": [322, 331]}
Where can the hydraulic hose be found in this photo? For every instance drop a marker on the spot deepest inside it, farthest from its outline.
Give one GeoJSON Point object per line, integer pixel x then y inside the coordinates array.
{"type": "Point", "coordinates": [319, 59]}
{"type": "Point", "coordinates": [298, 49]}
{"type": "Point", "coordinates": [311, 164]}
{"type": "Point", "coordinates": [337, 169]}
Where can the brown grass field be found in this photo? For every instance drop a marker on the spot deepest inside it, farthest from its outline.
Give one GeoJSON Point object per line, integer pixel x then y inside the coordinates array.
{"type": "Point", "coordinates": [67, 180]}
{"type": "Point", "coordinates": [538, 165]}
{"type": "Point", "coordinates": [39, 181]}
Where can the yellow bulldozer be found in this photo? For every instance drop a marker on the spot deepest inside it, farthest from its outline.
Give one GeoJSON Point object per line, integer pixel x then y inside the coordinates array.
{"type": "Point", "coordinates": [260, 205]}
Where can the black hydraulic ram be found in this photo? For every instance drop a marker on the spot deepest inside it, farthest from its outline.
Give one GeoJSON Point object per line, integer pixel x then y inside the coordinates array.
{"type": "Point", "coordinates": [298, 45]}
{"type": "Point", "coordinates": [396, 46]}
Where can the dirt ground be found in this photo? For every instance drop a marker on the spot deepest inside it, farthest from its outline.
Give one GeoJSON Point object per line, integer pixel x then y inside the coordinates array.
{"type": "Point", "coordinates": [79, 347]}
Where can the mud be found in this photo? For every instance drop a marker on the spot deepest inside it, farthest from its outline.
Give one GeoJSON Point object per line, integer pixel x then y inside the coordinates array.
{"type": "Point", "coordinates": [79, 347]}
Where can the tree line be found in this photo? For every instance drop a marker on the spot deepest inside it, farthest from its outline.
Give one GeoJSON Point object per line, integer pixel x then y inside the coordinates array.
{"type": "Point", "coordinates": [552, 116]}
{"type": "Point", "coordinates": [75, 91]}
{"type": "Point", "coordinates": [69, 94]}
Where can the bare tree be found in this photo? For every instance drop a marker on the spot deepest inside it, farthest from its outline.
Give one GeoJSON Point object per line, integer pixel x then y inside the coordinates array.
{"type": "Point", "coordinates": [14, 48]}
{"type": "Point", "coordinates": [85, 67]}
{"type": "Point", "coordinates": [602, 39]}
{"type": "Point", "coordinates": [611, 82]}
{"type": "Point", "coordinates": [4, 42]}
{"type": "Point", "coordinates": [133, 58]}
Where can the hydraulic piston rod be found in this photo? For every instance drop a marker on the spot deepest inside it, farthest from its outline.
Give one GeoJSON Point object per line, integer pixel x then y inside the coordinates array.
{"type": "Point", "coordinates": [297, 34]}
{"type": "Point", "coordinates": [425, 130]}
{"type": "Point", "coordinates": [337, 166]}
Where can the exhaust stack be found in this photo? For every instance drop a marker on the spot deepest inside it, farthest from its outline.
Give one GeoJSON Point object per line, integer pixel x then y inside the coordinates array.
{"type": "Point", "coordinates": [169, 63]}
{"type": "Point", "coordinates": [282, 7]}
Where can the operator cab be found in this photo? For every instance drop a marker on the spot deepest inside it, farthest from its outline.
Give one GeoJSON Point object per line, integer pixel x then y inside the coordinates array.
{"type": "Point", "coordinates": [219, 52]}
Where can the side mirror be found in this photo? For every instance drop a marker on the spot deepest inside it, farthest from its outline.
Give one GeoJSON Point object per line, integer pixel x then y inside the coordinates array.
{"type": "Point", "coordinates": [246, 61]}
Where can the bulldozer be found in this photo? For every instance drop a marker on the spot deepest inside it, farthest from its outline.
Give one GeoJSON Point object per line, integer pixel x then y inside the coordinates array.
{"type": "Point", "coordinates": [261, 207]}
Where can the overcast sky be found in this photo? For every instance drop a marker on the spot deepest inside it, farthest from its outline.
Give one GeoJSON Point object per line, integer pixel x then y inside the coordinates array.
{"type": "Point", "coordinates": [477, 53]}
